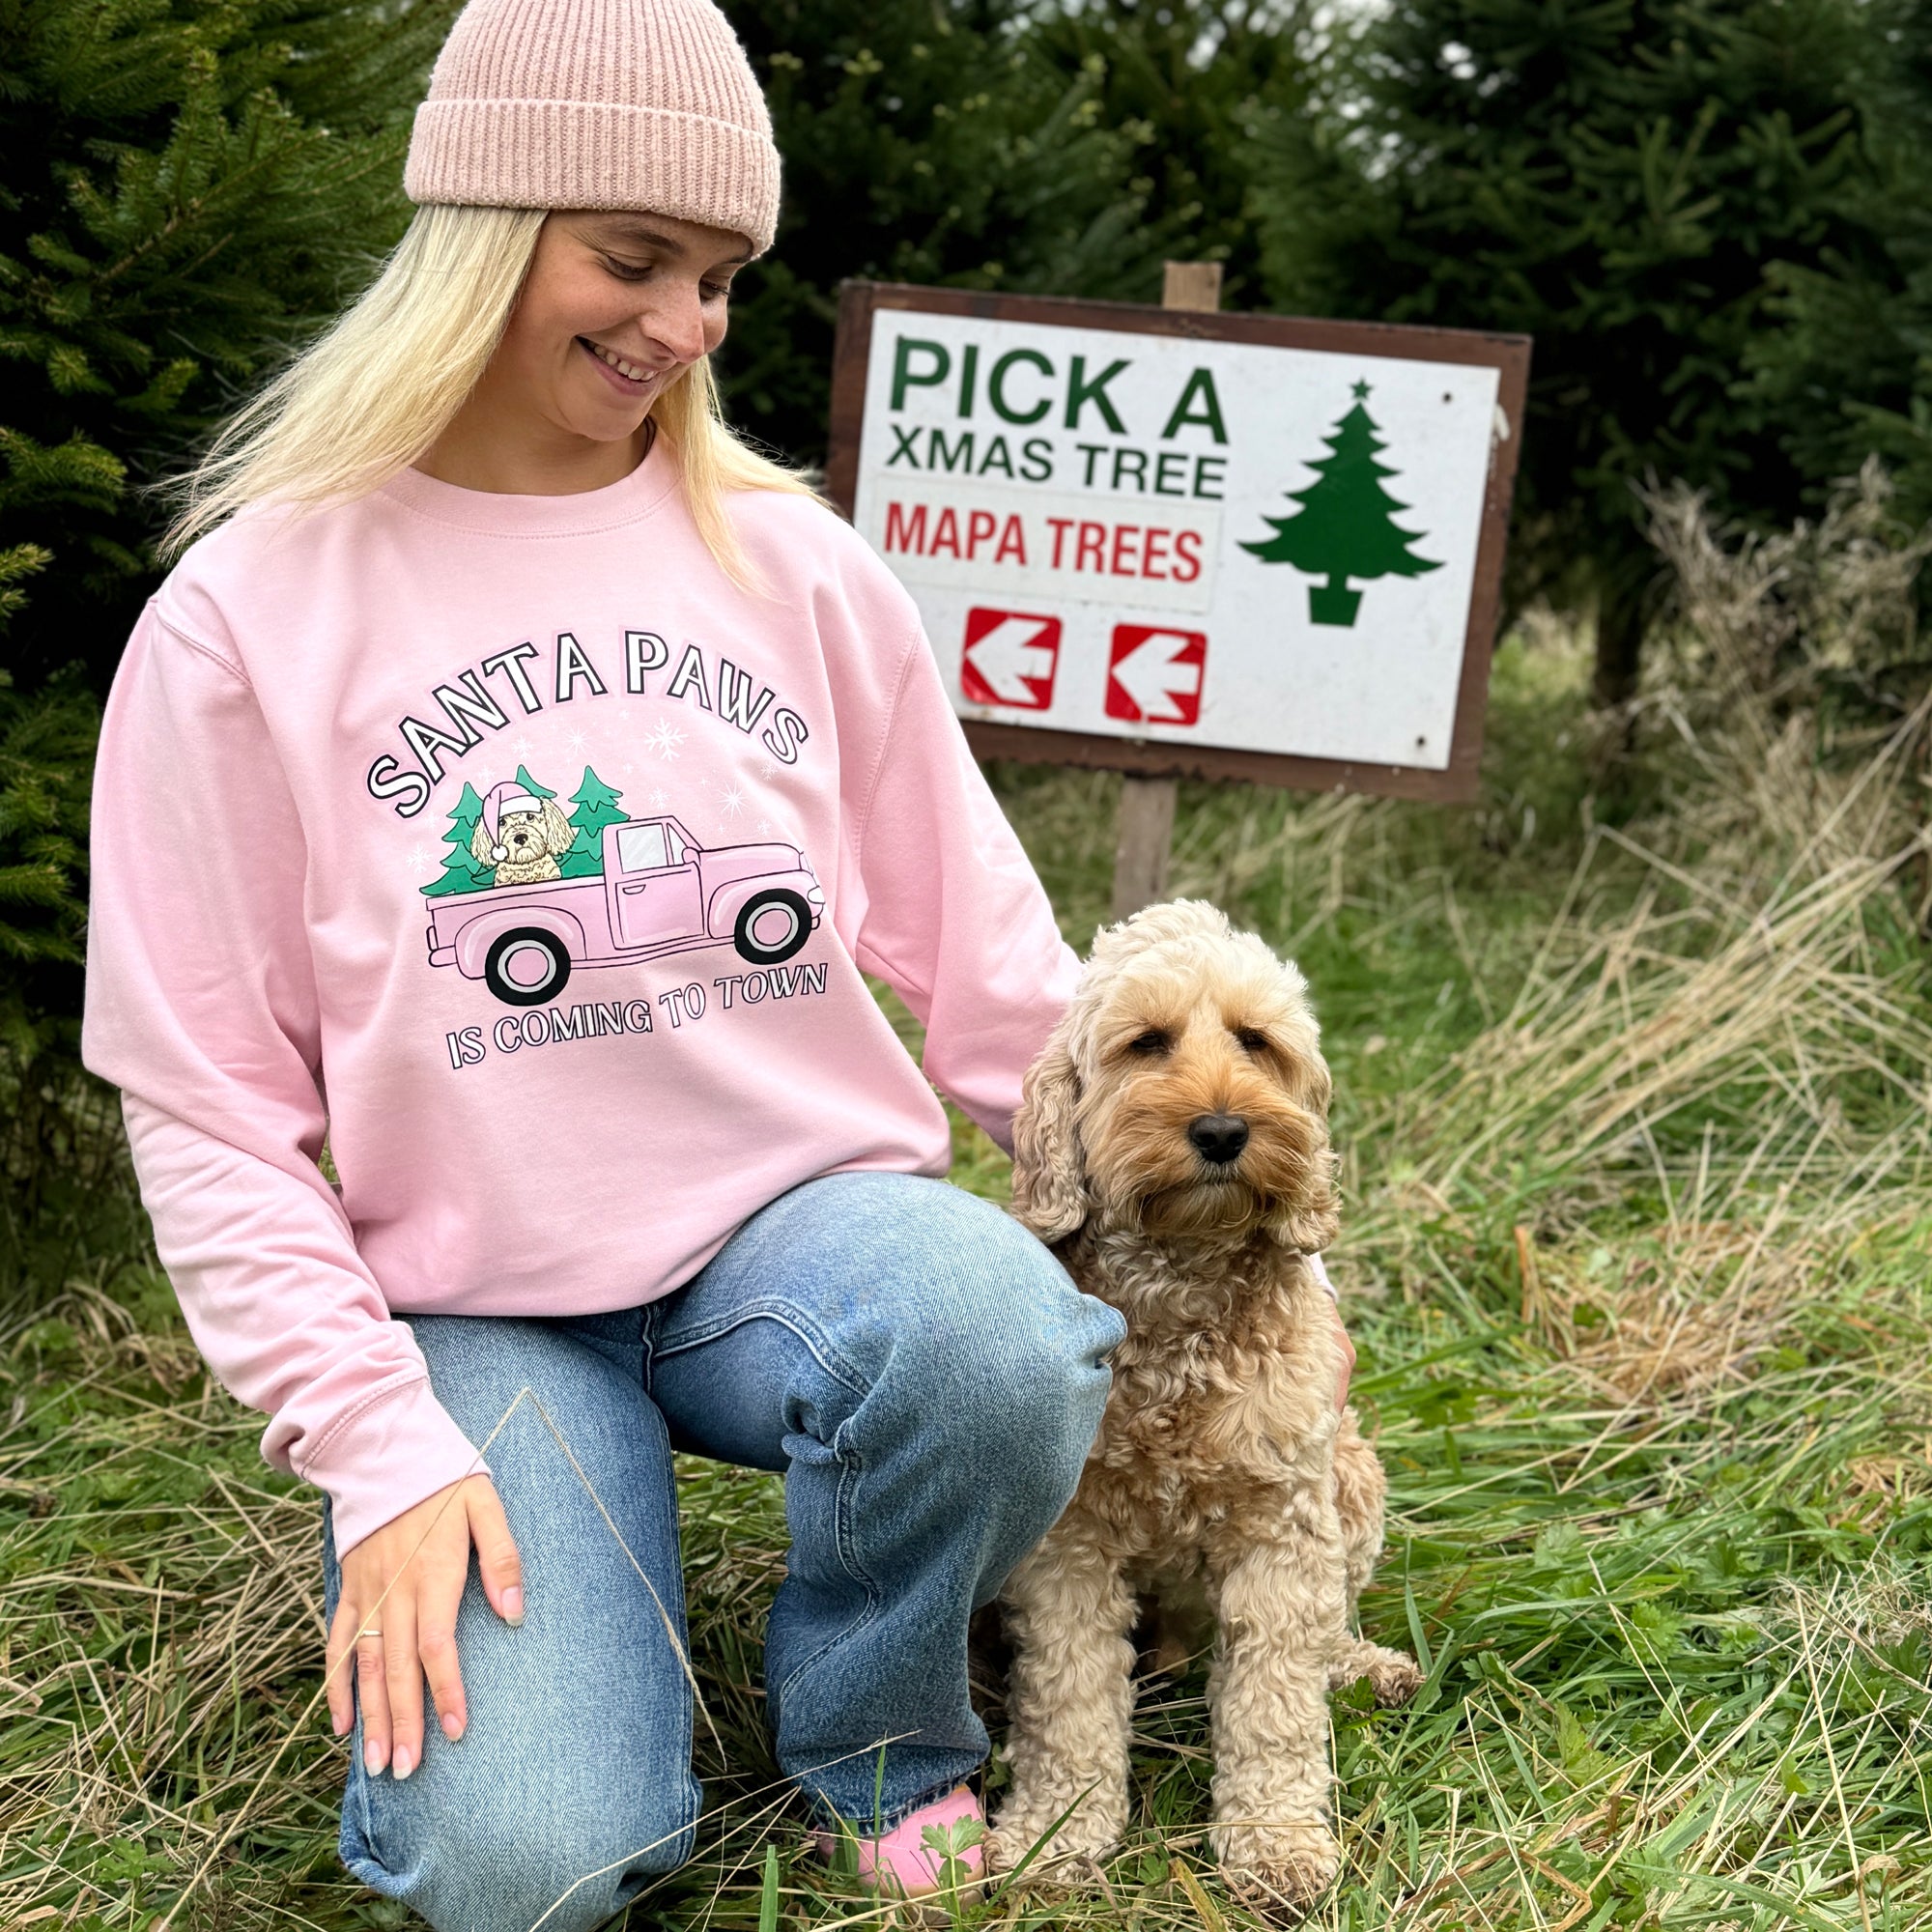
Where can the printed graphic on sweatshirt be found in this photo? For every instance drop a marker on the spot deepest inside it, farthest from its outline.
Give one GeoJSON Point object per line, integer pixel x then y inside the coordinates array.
{"type": "Point", "coordinates": [528, 894]}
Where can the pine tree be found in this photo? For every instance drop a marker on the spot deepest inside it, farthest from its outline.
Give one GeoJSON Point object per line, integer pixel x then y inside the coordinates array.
{"type": "Point", "coordinates": [1345, 527]}
{"type": "Point", "coordinates": [460, 873]}
{"type": "Point", "coordinates": [46, 743]}
{"type": "Point", "coordinates": [597, 806]}
{"type": "Point", "coordinates": [530, 785]}
{"type": "Point", "coordinates": [1848, 374]}
{"type": "Point", "coordinates": [188, 186]}
{"type": "Point", "coordinates": [1617, 180]}
{"type": "Point", "coordinates": [1182, 81]}
{"type": "Point", "coordinates": [46, 740]}
{"type": "Point", "coordinates": [924, 141]}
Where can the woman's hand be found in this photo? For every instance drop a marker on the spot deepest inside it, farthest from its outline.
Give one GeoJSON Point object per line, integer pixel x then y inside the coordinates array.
{"type": "Point", "coordinates": [1347, 1362]}
{"type": "Point", "coordinates": [412, 1631]}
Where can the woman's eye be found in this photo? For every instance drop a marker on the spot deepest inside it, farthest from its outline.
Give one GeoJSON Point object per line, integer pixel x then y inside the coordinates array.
{"type": "Point", "coordinates": [627, 271]}
{"type": "Point", "coordinates": [714, 290]}
{"type": "Point", "coordinates": [1150, 1043]}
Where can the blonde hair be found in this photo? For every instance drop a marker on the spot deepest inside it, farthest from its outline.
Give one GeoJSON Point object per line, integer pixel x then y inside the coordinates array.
{"type": "Point", "coordinates": [364, 400]}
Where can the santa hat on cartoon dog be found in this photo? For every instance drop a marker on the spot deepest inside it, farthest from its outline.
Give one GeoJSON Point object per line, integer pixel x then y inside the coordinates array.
{"type": "Point", "coordinates": [499, 801]}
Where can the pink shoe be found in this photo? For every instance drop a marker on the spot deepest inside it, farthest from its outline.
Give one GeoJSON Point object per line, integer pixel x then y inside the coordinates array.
{"type": "Point", "coordinates": [904, 1864]}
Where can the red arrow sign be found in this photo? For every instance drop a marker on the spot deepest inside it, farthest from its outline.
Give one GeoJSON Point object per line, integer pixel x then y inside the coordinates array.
{"type": "Point", "coordinates": [1009, 659]}
{"type": "Point", "coordinates": [1154, 675]}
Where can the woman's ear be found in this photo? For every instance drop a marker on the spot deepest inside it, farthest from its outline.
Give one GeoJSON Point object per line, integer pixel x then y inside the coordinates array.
{"type": "Point", "coordinates": [1049, 1174]}
{"type": "Point", "coordinates": [558, 835]}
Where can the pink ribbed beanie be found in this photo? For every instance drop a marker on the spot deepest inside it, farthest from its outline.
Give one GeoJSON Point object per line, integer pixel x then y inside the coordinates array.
{"type": "Point", "coordinates": [598, 103]}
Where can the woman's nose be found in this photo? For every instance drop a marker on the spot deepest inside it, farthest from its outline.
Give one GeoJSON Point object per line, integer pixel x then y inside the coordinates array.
{"type": "Point", "coordinates": [677, 322]}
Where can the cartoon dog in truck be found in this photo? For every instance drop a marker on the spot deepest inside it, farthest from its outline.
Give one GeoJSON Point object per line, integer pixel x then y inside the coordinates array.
{"type": "Point", "coordinates": [660, 891]}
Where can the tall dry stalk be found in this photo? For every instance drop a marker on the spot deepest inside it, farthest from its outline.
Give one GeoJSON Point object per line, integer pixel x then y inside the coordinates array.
{"type": "Point", "coordinates": [1751, 989]}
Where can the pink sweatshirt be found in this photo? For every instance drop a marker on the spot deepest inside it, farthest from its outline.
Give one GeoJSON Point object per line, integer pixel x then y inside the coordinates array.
{"type": "Point", "coordinates": [508, 843]}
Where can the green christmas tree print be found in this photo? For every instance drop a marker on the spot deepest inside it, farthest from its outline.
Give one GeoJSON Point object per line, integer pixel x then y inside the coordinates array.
{"type": "Point", "coordinates": [597, 806]}
{"type": "Point", "coordinates": [460, 873]}
{"type": "Point", "coordinates": [530, 785]}
{"type": "Point", "coordinates": [1345, 527]}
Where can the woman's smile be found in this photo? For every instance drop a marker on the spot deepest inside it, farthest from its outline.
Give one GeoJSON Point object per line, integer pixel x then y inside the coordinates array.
{"type": "Point", "coordinates": [625, 376]}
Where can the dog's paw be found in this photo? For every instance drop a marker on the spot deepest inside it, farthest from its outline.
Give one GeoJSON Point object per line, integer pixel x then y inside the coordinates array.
{"type": "Point", "coordinates": [1070, 1860]}
{"type": "Point", "coordinates": [1392, 1674]}
{"type": "Point", "coordinates": [1049, 1871]}
{"type": "Point", "coordinates": [1277, 1868]}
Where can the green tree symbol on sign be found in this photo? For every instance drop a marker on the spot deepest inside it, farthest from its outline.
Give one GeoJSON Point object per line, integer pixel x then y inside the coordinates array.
{"type": "Point", "coordinates": [460, 873]}
{"type": "Point", "coordinates": [1345, 527]}
{"type": "Point", "coordinates": [597, 806]}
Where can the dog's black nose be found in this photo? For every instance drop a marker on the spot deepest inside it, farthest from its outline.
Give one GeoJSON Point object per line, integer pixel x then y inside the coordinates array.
{"type": "Point", "coordinates": [1219, 1137]}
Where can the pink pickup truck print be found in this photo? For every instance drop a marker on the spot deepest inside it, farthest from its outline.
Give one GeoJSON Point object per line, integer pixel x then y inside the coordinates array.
{"type": "Point", "coordinates": [661, 892]}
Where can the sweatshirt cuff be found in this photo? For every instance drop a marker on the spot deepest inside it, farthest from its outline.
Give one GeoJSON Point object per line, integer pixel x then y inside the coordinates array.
{"type": "Point", "coordinates": [1322, 1276]}
{"type": "Point", "coordinates": [386, 1457]}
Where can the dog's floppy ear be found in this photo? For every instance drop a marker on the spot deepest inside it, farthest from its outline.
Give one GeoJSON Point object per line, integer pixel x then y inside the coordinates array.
{"type": "Point", "coordinates": [558, 838]}
{"type": "Point", "coordinates": [1313, 1219]}
{"type": "Point", "coordinates": [1311, 1222]}
{"type": "Point", "coordinates": [1317, 1086]}
{"type": "Point", "coordinates": [1049, 1177]}
{"type": "Point", "coordinates": [482, 848]}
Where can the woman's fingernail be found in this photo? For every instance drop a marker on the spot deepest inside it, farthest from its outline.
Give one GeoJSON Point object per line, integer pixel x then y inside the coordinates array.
{"type": "Point", "coordinates": [404, 1763]}
{"type": "Point", "coordinates": [452, 1726]}
{"type": "Point", "coordinates": [513, 1605]}
{"type": "Point", "coordinates": [372, 1757]}
{"type": "Point", "coordinates": [340, 1725]}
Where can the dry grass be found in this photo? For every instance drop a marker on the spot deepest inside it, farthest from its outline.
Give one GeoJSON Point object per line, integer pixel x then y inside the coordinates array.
{"type": "Point", "coordinates": [1698, 1307]}
{"type": "Point", "coordinates": [1634, 1104]}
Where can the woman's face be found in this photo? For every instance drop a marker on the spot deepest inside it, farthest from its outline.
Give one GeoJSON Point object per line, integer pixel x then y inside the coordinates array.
{"type": "Point", "coordinates": [616, 305]}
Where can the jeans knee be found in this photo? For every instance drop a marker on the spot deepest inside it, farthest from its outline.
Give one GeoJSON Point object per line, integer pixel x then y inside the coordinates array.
{"type": "Point", "coordinates": [1022, 1362]}
{"type": "Point", "coordinates": [504, 1869]}
{"type": "Point", "coordinates": [1044, 1405]}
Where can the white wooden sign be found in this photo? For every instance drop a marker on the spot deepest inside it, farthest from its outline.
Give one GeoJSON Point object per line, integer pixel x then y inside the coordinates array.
{"type": "Point", "coordinates": [1136, 525]}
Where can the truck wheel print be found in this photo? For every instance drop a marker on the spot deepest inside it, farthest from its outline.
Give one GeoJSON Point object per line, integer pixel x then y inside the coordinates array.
{"type": "Point", "coordinates": [527, 966]}
{"type": "Point", "coordinates": [626, 889]}
{"type": "Point", "coordinates": [773, 926]}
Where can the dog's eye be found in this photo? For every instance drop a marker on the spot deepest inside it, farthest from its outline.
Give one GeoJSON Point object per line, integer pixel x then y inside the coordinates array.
{"type": "Point", "coordinates": [1252, 1039]}
{"type": "Point", "coordinates": [1148, 1045]}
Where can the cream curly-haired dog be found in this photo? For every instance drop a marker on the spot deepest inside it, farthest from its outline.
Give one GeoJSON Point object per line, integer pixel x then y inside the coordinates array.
{"type": "Point", "coordinates": [520, 836]}
{"type": "Point", "coordinates": [1172, 1147]}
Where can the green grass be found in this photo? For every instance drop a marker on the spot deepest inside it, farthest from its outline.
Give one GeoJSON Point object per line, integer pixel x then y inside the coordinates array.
{"type": "Point", "coordinates": [1632, 1097]}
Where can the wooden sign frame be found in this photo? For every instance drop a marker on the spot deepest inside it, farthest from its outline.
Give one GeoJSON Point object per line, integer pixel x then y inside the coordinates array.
{"type": "Point", "coordinates": [1457, 782]}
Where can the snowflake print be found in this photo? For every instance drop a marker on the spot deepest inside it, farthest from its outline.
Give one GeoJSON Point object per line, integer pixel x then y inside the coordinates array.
{"type": "Point", "coordinates": [665, 739]}
{"type": "Point", "coordinates": [733, 800]}
{"type": "Point", "coordinates": [768, 770]}
{"type": "Point", "coordinates": [575, 742]}
{"type": "Point", "coordinates": [660, 798]}
{"type": "Point", "coordinates": [522, 746]}
{"type": "Point", "coordinates": [417, 859]}
{"type": "Point", "coordinates": [764, 825]}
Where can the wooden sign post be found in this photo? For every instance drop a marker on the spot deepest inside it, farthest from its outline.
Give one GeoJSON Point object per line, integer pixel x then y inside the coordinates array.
{"type": "Point", "coordinates": [1175, 542]}
{"type": "Point", "coordinates": [1145, 828]}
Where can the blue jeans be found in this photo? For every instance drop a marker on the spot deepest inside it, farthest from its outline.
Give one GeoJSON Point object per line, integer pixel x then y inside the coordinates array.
{"type": "Point", "coordinates": [928, 1380]}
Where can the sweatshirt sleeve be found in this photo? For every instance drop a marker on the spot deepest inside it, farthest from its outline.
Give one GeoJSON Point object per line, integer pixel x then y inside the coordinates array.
{"type": "Point", "coordinates": [201, 1007]}
{"type": "Point", "coordinates": [957, 920]}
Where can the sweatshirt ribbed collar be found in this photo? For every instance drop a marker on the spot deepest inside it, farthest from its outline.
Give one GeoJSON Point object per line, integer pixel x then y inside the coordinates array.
{"type": "Point", "coordinates": [582, 513]}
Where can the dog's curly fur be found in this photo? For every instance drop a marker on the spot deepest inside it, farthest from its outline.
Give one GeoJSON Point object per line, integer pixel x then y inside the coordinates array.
{"type": "Point", "coordinates": [1221, 1469]}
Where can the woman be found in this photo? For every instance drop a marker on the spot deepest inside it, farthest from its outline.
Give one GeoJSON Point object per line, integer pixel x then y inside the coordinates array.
{"type": "Point", "coordinates": [513, 785]}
